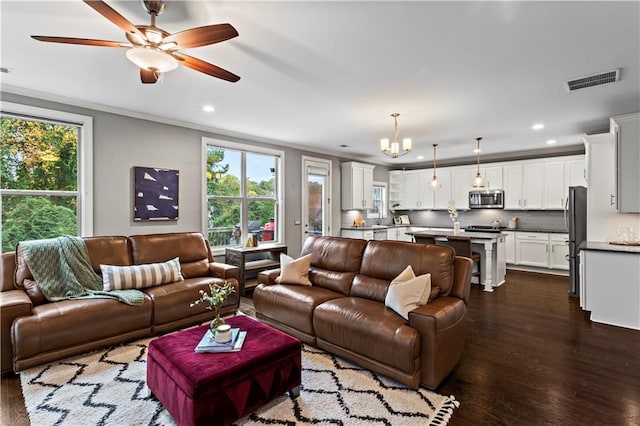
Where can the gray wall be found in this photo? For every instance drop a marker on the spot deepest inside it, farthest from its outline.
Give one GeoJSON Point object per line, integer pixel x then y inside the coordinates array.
{"type": "Point", "coordinates": [122, 142]}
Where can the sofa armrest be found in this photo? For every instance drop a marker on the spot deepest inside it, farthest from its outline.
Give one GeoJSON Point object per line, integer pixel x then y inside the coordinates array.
{"type": "Point", "coordinates": [268, 277]}
{"type": "Point", "coordinates": [224, 271]}
{"type": "Point", "coordinates": [13, 304]}
{"type": "Point", "coordinates": [442, 328]}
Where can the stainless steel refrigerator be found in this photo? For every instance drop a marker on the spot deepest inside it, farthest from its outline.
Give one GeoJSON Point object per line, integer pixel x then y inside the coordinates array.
{"type": "Point", "coordinates": [575, 217]}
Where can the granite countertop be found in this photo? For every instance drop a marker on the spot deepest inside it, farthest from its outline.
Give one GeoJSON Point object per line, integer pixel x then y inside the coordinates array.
{"type": "Point", "coordinates": [374, 227]}
{"type": "Point", "coordinates": [473, 235]}
{"type": "Point", "coordinates": [602, 246]}
{"type": "Point", "coordinates": [542, 230]}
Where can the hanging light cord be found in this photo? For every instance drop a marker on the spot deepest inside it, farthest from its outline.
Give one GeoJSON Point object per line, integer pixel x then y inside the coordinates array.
{"type": "Point", "coordinates": [478, 155]}
{"type": "Point", "coordinates": [434, 160]}
{"type": "Point", "coordinates": [395, 127]}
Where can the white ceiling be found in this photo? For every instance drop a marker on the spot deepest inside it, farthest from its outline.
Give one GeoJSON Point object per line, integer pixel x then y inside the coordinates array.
{"type": "Point", "coordinates": [322, 74]}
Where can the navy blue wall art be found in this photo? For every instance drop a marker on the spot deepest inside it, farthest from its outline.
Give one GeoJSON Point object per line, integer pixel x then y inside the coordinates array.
{"type": "Point", "coordinates": [156, 194]}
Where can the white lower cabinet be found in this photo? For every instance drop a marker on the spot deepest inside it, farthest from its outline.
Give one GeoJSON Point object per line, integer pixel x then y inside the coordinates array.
{"type": "Point", "coordinates": [356, 233]}
{"type": "Point", "coordinates": [510, 246]}
{"type": "Point", "coordinates": [532, 249]}
{"type": "Point", "coordinates": [559, 251]}
{"type": "Point", "coordinates": [540, 249]}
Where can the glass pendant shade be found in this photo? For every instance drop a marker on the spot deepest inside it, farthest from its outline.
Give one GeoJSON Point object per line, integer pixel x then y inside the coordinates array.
{"type": "Point", "coordinates": [435, 183]}
{"type": "Point", "coordinates": [478, 182]}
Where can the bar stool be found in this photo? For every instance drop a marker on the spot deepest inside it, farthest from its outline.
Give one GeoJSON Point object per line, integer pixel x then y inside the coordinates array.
{"type": "Point", "coordinates": [425, 239]}
{"type": "Point", "coordinates": [462, 246]}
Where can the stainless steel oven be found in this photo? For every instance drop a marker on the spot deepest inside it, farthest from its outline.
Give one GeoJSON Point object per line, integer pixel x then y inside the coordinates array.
{"type": "Point", "coordinates": [486, 199]}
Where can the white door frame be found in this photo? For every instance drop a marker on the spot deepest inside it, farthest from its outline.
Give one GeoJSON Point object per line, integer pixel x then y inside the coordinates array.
{"type": "Point", "coordinates": [327, 220]}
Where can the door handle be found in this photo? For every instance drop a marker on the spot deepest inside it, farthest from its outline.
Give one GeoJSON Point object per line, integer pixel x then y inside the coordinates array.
{"type": "Point", "coordinates": [611, 201]}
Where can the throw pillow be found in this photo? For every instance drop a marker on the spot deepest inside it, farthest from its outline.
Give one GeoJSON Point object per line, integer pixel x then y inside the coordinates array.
{"type": "Point", "coordinates": [294, 271]}
{"type": "Point", "coordinates": [140, 276]}
{"type": "Point", "coordinates": [404, 295]}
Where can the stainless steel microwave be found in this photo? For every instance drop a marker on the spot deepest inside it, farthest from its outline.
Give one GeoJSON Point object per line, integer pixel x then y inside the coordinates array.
{"type": "Point", "coordinates": [486, 199]}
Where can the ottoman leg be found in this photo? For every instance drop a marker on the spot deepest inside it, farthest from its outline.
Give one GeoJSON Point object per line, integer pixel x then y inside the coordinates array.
{"type": "Point", "coordinates": [295, 392]}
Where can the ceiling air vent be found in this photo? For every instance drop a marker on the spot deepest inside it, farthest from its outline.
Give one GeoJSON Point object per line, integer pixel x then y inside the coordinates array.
{"type": "Point", "coordinates": [593, 80]}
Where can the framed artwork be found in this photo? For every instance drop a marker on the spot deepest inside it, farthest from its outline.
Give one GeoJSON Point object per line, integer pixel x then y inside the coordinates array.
{"type": "Point", "coordinates": [156, 194]}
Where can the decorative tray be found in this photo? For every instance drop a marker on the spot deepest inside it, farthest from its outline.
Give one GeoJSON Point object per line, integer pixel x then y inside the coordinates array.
{"type": "Point", "coordinates": [625, 243]}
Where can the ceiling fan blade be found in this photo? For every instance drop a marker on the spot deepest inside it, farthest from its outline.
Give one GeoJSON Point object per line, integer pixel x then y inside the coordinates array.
{"type": "Point", "coordinates": [202, 36]}
{"type": "Point", "coordinates": [84, 41]}
{"type": "Point", "coordinates": [149, 76]}
{"type": "Point", "coordinates": [205, 67]}
{"type": "Point", "coordinates": [108, 12]}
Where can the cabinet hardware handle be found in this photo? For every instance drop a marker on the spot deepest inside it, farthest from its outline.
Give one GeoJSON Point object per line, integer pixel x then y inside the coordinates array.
{"type": "Point", "coordinates": [611, 202]}
{"type": "Point", "coordinates": [566, 256]}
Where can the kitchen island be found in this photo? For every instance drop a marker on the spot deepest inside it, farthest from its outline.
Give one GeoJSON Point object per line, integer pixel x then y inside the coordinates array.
{"type": "Point", "coordinates": [610, 283]}
{"type": "Point", "coordinates": [491, 247]}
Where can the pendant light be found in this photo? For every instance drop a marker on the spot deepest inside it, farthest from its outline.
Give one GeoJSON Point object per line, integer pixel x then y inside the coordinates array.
{"type": "Point", "coordinates": [478, 182]}
{"type": "Point", "coordinates": [435, 183]}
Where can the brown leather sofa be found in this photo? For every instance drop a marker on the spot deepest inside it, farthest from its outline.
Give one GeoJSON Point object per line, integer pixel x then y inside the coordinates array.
{"type": "Point", "coordinates": [343, 312]}
{"type": "Point", "coordinates": [35, 331]}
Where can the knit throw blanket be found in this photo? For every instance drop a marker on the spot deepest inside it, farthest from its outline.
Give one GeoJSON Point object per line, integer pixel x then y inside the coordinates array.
{"type": "Point", "coordinates": [62, 269]}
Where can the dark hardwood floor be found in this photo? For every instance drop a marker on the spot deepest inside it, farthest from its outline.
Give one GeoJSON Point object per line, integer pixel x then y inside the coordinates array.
{"type": "Point", "coordinates": [531, 357]}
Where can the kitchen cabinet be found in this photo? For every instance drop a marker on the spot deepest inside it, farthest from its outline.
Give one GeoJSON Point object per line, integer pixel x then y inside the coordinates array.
{"type": "Point", "coordinates": [602, 213]}
{"type": "Point", "coordinates": [363, 234]}
{"type": "Point", "coordinates": [492, 176]}
{"type": "Point", "coordinates": [559, 251]}
{"type": "Point", "coordinates": [461, 178]}
{"type": "Point", "coordinates": [574, 174]}
{"type": "Point", "coordinates": [512, 176]}
{"type": "Point", "coordinates": [532, 249]}
{"type": "Point", "coordinates": [442, 195]}
{"type": "Point", "coordinates": [417, 193]}
{"type": "Point", "coordinates": [554, 190]}
{"type": "Point", "coordinates": [357, 186]}
{"type": "Point", "coordinates": [532, 186]}
{"type": "Point", "coordinates": [510, 246]}
{"type": "Point", "coordinates": [626, 131]}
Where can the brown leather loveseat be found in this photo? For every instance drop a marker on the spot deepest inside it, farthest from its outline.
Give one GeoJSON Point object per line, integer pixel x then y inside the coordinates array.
{"type": "Point", "coordinates": [35, 331]}
{"type": "Point", "coordinates": [344, 313]}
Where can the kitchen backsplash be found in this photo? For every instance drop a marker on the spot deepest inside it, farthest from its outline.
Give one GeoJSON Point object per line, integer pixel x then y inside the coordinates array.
{"type": "Point", "coordinates": [552, 220]}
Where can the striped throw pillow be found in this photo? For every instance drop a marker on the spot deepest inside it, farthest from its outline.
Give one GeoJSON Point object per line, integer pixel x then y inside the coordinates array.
{"type": "Point", "coordinates": [140, 276]}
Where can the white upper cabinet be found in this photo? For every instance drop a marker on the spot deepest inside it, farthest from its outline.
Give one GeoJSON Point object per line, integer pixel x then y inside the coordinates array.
{"type": "Point", "coordinates": [357, 186]}
{"type": "Point", "coordinates": [626, 130]}
{"type": "Point", "coordinates": [442, 195]}
{"type": "Point", "coordinates": [416, 191]}
{"type": "Point", "coordinates": [554, 190]}
{"type": "Point", "coordinates": [512, 179]}
{"type": "Point", "coordinates": [541, 184]}
{"type": "Point", "coordinates": [461, 178]}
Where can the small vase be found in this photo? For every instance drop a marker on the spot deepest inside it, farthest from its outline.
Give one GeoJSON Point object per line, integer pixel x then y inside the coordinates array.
{"type": "Point", "coordinates": [456, 227]}
{"type": "Point", "coordinates": [216, 322]}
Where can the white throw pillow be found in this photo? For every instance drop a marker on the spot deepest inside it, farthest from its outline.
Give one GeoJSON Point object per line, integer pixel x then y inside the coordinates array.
{"type": "Point", "coordinates": [140, 276]}
{"type": "Point", "coordinates": [406, 292]}
{"type": "Point", "coordinates": [294, 271]}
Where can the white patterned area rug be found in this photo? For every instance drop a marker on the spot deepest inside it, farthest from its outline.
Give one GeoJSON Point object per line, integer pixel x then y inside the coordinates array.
{"type": "Point", "coordinates": [108, 388]}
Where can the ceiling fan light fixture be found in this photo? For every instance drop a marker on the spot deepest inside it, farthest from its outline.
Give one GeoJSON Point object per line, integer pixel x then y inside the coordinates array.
{"type": "Point", "coordinates": [152, 58]}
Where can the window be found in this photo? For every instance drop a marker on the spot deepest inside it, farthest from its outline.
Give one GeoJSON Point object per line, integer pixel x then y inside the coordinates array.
{"type": "Point", "coordinates": [379, 210]}
{"type": "Point", "coordinates": [242, 193]}
{"type": "Point", "coordinates": [44, 174]}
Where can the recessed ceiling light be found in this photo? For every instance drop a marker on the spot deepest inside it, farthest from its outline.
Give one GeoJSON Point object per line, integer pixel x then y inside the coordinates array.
{"type": "Point", "coordinates": [538, 126]}
{"type": "Point", "coordinates": [551, 141]}
{"type": "Point", "coordinates": [475, 151]}
{"type": "Point", "coordinates": [420, 157]}
{"type": "Point", "coordinates": [208, 108]}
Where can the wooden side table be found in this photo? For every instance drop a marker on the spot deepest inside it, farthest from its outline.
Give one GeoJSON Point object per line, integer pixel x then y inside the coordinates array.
{"type": "Point", "coordinates": [253, 259]}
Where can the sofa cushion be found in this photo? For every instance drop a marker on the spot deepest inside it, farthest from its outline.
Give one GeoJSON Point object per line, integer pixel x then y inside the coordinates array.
{"type": "Point", "coordinates": [294, 271]}
{"type": "Point", "coordinates": [334, 261]}
{"type": "Point", "coordinates": [190, 247]}
{"type": "Point", "coordinates": [108, 251]}
{"type": "Point", "coordinates": [140, 276]}
{"type": "Point", "coordinates": [33, 291]}
{"type": "Point", "coordinates": [291, 304]}
{"type": "Point", "coordinates": [384, 260]}
{"type": "Point", "coordinates": [70, 323]}
{"type": "Point", "coordinates": [171, 302]}
{"type": "Point", "coordinates": [368, 328]}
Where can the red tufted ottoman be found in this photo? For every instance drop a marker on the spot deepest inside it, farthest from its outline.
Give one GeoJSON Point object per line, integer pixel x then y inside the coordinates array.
{"type": "Point", "coordinates": [219, 388]}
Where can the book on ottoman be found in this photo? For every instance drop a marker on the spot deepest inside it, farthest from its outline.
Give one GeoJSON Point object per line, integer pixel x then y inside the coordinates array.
{"type": "Point", "coordinates": [208, 344]}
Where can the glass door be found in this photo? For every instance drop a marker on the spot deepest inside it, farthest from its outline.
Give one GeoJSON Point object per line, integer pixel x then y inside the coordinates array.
{"type": "Point", "coordinates": [316, 197]}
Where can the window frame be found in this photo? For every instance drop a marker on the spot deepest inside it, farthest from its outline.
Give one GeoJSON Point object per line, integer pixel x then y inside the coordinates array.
{"type": "Point", "coordinates": [279, 236]}
{"type": "Point", "coordinates": [372, 213]}
{"type": "Point", "coordinates": [84, 192]}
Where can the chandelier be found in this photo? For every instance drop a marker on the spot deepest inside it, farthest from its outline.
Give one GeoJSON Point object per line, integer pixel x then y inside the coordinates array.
{"type": "Point", "coordinates": [393, 150]}
{"type": "Point", "coordinates": [478, 182]}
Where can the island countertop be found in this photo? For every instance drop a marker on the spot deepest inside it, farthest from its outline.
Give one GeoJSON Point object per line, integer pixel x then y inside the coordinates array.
{"type": "Point", "coordinates": [602, 246]}
{"type": "Point", "coordinates": [473, 235]}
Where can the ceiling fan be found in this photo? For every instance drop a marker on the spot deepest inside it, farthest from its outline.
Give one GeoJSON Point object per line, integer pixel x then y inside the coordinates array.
{"type": "Point", "coordinates": [154, 50]}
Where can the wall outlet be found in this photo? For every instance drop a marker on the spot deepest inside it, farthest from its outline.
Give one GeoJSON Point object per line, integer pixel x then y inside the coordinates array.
{"type": "Point", "coordinates": [297, 222]}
